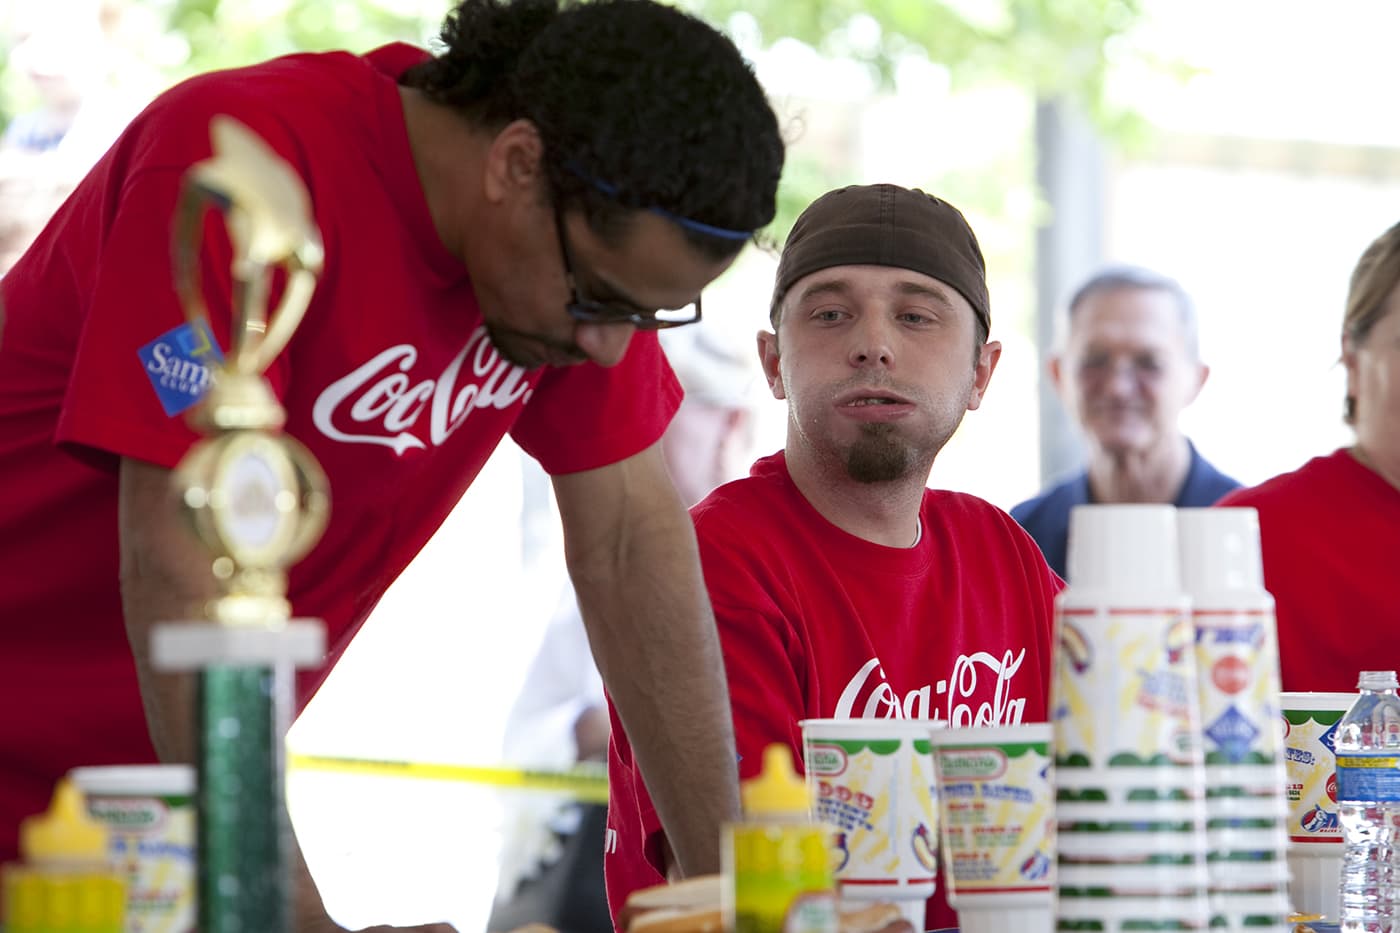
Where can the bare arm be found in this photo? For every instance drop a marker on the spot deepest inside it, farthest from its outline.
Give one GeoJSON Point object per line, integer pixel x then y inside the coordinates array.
{"type": "Point", "coordinates": [165, 577]}
{"type": "Point", "coordinates": [633, 560]}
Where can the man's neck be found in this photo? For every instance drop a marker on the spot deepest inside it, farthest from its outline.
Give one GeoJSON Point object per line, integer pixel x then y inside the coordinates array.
{"type": "Point", "coordinates": [1155, 475]}
{"type": "Point", "coordinates": [445, 151]}
{"type": "Point", "coordinates": [1375, 459]}
{"type": "Point", "coordinates": [882, 513]}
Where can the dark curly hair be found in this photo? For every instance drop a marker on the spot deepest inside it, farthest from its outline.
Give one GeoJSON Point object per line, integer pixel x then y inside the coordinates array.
{"type": "Point", "coordinates": [638, 104]}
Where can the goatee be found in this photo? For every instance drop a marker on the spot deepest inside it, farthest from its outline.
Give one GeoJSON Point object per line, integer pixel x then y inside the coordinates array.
{"type": "Point", "coordinates": [880, 455]}
{"type": "Point", "coordinates": [506, 341]}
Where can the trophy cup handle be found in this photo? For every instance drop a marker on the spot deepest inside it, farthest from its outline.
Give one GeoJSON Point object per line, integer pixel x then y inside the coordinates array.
{"type": "Point", "coordinates": [268, 214]}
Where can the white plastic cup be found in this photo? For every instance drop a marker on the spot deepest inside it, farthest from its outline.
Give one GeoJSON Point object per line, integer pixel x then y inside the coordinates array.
{"type": "Point", "coordinates": [1315, 879]}
{"type": "Point", "coordinates": [1247, 876]}
{"type": "Point", "coordinates": [1314, 832]}
{"type": "Point", "coordinates": [996, 809]}
{"type": "Point", "coordinates": [1250, 912]}
{"type": "Point", "coordinates": [1126, 846]}
{"type": "Point", "coordinates": [150, 810]}
{"type": "Point", "coordinates": [1123, 548]}
{"type": "Point", "coordinates": [1119, 913]}
{"type": "Point", "coordinates": [1236, 648]}
{"type": "Point", "coordinates": [1124, 677]}
{"type": "Point", "coordinates": [1125, 702]}
{"type": "Point", "coordinates": [1254, 841]}
{"type": "Point", "coordinates": [872, 781]}
{"type": "Point", "coordinates": [1126, 789]}
{"type": "Point", "coordinates": [1125, 695]}
{"type": "Point", "coordinates": [1219, 551]}
{"type": "Point", "coordinates": [1134, 879]}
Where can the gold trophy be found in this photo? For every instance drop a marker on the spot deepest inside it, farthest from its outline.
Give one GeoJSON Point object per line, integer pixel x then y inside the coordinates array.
{"type": "Point", "coordinates": [258, 501]}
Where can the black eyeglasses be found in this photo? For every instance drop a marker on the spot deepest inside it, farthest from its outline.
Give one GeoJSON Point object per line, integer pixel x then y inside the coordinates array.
{"type": "Point", "coordinates": [590, 311]}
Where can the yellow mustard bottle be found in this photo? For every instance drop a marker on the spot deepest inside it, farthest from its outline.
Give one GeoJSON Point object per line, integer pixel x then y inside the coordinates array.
{"type": "Point", "coordinates": [777, 863]}
{"type": "Point", "coordinates": [66, 882]}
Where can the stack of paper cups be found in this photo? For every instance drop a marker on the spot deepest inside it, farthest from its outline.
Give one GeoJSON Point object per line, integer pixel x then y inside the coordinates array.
{"type": "Point", "coordinates": [1314, 831]}
{"type": "Point", "coordinates": [1130, 785]}
{"type": "Point", "coordinates": [1238, 687]}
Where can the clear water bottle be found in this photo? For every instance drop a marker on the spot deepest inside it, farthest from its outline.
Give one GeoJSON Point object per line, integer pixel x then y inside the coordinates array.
{"type": "Point", "coordinates": [1368, 804]}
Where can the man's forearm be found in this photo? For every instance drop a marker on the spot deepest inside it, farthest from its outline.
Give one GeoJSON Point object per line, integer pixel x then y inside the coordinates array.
{"type": "Point", "coordinates": [654, 640]}
{"type": "Point", "coordinates": [677, 718]}
{"type": "Point", "coordinates": [165, 576]}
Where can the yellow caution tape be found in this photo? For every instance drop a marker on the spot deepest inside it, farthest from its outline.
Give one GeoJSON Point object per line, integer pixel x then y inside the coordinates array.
{"type": "Point", "coordinates": [588, 783]}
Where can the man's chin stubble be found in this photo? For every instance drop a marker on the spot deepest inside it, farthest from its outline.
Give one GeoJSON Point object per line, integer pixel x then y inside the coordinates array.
{"type": "Point", "coordinates": [506, 342]}
{"type": "Point", "coordinates": [879, 456]}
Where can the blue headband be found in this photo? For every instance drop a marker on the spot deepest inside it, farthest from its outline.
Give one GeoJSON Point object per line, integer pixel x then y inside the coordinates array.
{"type": "Point", "coordinates": [612, 192]}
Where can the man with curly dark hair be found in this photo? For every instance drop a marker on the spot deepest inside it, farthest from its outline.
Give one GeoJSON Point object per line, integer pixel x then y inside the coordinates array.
{"type": "Point", "coordinates": [505, 223]}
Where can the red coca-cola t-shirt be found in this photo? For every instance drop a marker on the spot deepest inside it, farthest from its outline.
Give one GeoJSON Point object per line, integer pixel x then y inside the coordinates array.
{"type": "Point", "coordinates": [389, 380]}
{"type": "Point", "coordinates": [818, 623]}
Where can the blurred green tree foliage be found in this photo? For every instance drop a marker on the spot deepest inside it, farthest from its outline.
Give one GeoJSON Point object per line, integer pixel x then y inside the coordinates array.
{"type": "Point", "coordinates": [1045, 47]}
{"type": "Point", "coordinates": [1049, 46]}
{"type": "Point", "coordinates": [224, 33]}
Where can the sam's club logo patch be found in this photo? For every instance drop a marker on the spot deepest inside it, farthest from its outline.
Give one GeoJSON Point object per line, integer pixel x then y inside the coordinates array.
{"type": "Point", "coordinates": [180, 364]}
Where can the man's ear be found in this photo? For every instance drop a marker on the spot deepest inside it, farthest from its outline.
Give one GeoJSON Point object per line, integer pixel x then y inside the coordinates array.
{"type": "Point", "coordinates": [1202, 374]}
{"type": "Point", "coordinates": [514, 161]}
{"type": "Point", "coordinates": [768, 359]}
{"type": "Point", "coordinates": [987, 357]}
{"type": "Point", "coordinates": [1349, 364]}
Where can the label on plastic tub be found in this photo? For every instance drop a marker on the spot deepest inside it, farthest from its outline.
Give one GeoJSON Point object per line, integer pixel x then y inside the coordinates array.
{"type": "Point", "coordinates": [152, 841]}
{"type": "Point", "coordinates": [1310, 727]}
{"type": "Point", "coordinates": [997, 834]}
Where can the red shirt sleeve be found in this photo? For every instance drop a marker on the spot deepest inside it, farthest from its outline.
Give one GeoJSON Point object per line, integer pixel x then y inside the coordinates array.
{"type": "Point", "coordinates": [112, 405]}
{"type": "Point", "coordinates": [587, 416]}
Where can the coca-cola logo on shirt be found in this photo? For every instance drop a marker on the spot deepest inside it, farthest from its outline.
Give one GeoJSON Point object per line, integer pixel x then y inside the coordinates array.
{"type": "Point", "coordinates": [977, 676]}
{"type": "Point", "coordinates": [384, 401]}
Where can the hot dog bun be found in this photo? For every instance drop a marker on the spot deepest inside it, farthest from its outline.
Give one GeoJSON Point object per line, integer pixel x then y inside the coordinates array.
{"type": "Point", "coordinates": [870, 919]}
{"type": "Point", "coordinates": [678, 920]}
{"type": "Point", "coordinates": [693, 906]}
{"type": "Point", "coordinates": [699, 893]}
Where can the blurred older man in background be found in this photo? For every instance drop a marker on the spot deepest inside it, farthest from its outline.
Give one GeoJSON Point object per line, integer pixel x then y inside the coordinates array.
{"type": "Point", "coordinates": [1129, 362]}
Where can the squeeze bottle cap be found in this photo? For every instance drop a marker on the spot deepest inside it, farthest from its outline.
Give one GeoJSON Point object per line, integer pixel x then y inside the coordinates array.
{"type": "Point", "coordinates": [65, 832]}
{"type": "Point", "coordinates": [778, 788]}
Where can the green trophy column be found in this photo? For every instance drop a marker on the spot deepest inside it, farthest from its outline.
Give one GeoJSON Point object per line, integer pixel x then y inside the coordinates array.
{"type": "Point", "coordinates": [242, 830]}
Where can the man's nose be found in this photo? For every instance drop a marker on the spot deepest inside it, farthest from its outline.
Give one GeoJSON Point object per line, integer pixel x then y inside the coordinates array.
{"type": "Point", "coordinates": [1121, 375]}
{"type": "Point", "coordinates": [872, 343]}
{"type": "Point", "coordinates": [605, 344]}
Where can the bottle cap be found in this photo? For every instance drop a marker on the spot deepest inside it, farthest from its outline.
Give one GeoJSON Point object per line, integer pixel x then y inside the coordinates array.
{"type": "Point", "coordinates": [1377, 680]}
{"type": "Point", "coordinates": [65, 832]}
{"type": "Point", "coordinates": [777, 789]}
